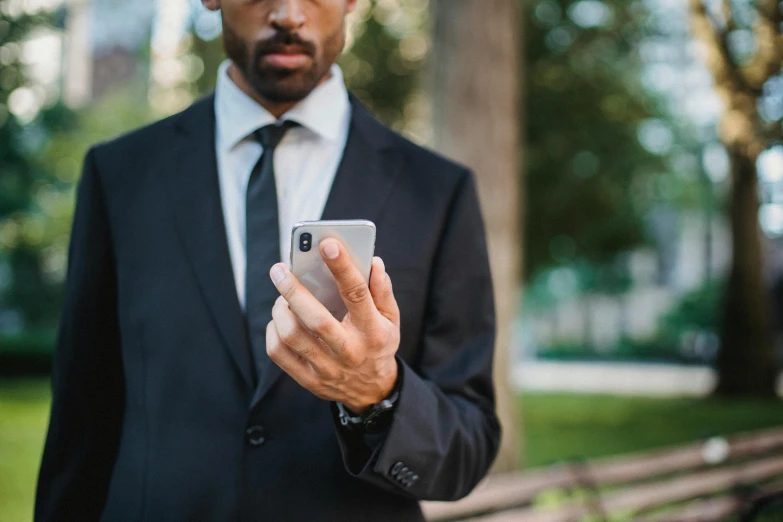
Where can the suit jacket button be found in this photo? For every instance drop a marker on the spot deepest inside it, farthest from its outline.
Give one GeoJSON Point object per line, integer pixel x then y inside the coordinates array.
{"type": "Point", "coordinates": [255, 435]}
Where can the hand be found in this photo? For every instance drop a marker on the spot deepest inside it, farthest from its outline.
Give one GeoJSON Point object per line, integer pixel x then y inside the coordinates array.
{"type": "Point", "coordinates": [349, 361]}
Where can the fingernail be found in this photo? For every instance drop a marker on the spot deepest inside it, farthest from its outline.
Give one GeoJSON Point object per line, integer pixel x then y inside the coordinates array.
{"type": "Point", "coordinates": [278, 274]}
{"type": "Point", "coordinates": [331, 250]}
{"type": "Point", "coordinates": [383, 265]}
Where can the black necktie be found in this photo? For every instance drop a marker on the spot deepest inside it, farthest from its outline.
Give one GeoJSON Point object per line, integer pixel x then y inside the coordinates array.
{"type": "Point", "coordinates": [263, 242]}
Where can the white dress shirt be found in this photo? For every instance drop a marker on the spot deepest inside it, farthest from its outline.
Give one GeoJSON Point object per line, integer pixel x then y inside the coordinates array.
{"type": "Point", "coordinates": [305, 161]}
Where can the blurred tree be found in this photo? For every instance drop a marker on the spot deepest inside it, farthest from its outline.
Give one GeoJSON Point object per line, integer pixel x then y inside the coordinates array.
{"type": "Point", "coordinates": [588, 177]}
{"type": "Point", "coordinates": [211, 53]}
{"type": "Point", "coordinates": [387, 52]}
{"type": "Point", "coordinates": [50, 212]}
{"type": "Point", "coordinates": [744, 51]}
{"type": "Point", "coordinates": [476, 93]}
{"type": "Point", "coordinates": [28, 117]}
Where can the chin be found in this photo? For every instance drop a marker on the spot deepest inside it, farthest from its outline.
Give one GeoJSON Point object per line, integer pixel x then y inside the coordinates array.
{"type": "Point", "coordinates": [283, 92]}
{"type": "Point", "coordinates": [284, 86]}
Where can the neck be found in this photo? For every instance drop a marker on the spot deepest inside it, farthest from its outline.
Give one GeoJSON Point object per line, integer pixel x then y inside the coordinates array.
{"type": "Point", "coordinates": [276, 109]}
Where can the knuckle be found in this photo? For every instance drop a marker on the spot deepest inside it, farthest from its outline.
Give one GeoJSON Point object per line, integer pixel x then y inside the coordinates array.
{"type": "Point", "coordinates": [289, 292]}
{"type": "Point", "coordinates": [323, 327]}
{"type": "Point", "coordinates": [329, 373]}
{"type": "Point", "coordinates": [271, 331]}
{"type": "Point", "coordinates": [342, 347]}
{"type": "Point", "coordinates": [354, 359]}
{"type": "Point", "coordinates": [340, 267]}
{"type": "Point", "coordinates": [357, 292]}
{"type": "Point", "coordinates": [272, 349]}
{"type": "Point", "coordinates": [288, 334]}
{"type": "Point", "coordinates": [377, 339]}
{"type": "Point", "coordinates": [306, 351]}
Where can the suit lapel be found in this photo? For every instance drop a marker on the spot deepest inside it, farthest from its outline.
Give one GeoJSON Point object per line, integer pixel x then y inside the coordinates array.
{"type": "Point", "coordinates": [360, 189]}
{"type": "Point", "coordinates": [195, 196]}
{"type": "Point", "coordinates": [367, 171]}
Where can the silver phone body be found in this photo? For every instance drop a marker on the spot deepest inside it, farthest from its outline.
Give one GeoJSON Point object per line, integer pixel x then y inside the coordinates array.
{"type": "Point", "coordinates": [358, 238]}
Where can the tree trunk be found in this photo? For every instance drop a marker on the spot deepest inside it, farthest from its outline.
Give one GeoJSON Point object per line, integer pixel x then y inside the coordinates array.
{"type": "Point", "coordinates": [745, 362]}
{"type": "Point", "coordinates": [476, 111]}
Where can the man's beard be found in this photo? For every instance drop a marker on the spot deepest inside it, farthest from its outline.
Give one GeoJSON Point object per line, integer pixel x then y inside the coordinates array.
{"type": "Point", "coordinates": [271, 83]}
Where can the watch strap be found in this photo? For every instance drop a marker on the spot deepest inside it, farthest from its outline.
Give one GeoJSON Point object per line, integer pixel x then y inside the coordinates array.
{"type": "Point", "coordinates": [386, 404]}
{"type": "Point", "coordinates": [345, 417]}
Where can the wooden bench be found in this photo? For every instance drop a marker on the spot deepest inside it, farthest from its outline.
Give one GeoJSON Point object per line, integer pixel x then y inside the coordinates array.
{"type": "Point", "coordinates": [705, 481]}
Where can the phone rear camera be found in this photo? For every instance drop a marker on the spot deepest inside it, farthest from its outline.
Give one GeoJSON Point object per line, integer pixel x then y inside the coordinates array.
{"type": "Point", "coordinates": [305, 242]}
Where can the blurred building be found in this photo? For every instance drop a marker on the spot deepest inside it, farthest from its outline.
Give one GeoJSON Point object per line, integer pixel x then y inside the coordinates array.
{"type": "Point", "coordinates": [688, 255]}
{"type": "Point", "coordinates": [98, 46]}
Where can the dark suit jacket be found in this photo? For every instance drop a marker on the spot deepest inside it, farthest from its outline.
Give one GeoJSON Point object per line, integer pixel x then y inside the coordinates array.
{"type": "Point", "coordinates": [154, 416]}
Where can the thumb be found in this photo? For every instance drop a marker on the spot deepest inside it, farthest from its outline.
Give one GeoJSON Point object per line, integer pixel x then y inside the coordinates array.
{"type": "Point", "coordinates": [382, 293]}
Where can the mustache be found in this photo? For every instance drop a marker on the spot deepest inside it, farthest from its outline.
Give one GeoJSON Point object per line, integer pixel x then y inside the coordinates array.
{"type": "Point", "coordinates": [284, 41]}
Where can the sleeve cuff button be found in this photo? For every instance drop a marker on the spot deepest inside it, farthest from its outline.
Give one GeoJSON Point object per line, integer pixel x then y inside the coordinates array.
{"type": "Point", "coordinates": [397, 468]}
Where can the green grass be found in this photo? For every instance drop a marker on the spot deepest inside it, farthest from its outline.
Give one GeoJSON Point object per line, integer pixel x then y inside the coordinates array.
{"type": "Point", "coordinates": [24, 415]}
{"type": "Point", "coordinates": [561, 426]}
{"type": "Point", "coordinates": [557, 427]}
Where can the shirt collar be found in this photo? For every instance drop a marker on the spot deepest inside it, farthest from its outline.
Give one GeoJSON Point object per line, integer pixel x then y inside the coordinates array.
{"type": "Point", "coordinates": [237, 115]}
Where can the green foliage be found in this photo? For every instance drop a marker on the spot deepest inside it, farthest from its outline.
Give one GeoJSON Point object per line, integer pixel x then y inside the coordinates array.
{"type": "Point", "coordinates": [26, 353]}
{"type": "Point", "coordinates": [626, 350]}
{"type": "Point", "coordinates": [40, 161]}
{"type": "Point", "coordinates": [583, 160]}
{"type": "Point", "coordinates": [381, 67]}
{"type": "Point", "coordinates": [31, 341]}
{"type": "Point", "coordinates": [212, 55]}
{"type": "Point", "coordinates": [553, 498]}
{"type": "Point", "coordinates": [698, 310]}
{"type": "Point", "coordinates": [553, 284]}
{"type": "Point", "coordinates": [30, 289]}
{"type": "Point", "coordinates": [40, 254]}
{"type": "Point", "coordinates": [772, 510]}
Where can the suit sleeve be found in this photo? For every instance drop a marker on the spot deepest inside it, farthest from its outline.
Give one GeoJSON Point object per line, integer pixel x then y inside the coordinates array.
{"type": "Point", "coordinates": [445, 433]}
{"type": "Point", "coordinates": [87, 376]}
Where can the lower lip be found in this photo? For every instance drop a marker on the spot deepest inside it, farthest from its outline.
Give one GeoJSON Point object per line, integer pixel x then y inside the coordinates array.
{"type": "Point", "coordinates": [286, 61]}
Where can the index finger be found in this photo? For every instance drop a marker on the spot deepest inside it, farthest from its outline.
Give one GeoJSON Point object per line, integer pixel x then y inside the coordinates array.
{"type": "Point", "coordinates": [353, 288]}
{"type": "Point", "coordinates": [306, 307]}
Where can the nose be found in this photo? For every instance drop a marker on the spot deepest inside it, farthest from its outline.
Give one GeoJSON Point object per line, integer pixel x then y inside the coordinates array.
{"type": "Point", "coordinates": [287, 15]}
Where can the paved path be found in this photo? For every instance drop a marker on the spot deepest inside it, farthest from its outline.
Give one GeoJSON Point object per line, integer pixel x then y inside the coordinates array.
{"type": "Point", "coordinates": [654, 380]}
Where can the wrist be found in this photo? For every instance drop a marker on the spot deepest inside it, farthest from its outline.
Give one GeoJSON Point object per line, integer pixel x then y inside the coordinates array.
{"type": "Point", "coordinates": [375, 419]}
{"type": "Point", "coordinates": [388, 387]}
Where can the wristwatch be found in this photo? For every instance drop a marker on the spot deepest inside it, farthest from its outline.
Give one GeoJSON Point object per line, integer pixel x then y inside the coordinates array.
{"type": "Point", "coordinates": [374, 419]}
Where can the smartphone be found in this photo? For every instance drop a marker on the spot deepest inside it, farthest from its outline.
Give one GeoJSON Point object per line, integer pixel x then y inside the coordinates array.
{"type": "Point", "coordinates": [358, 238]}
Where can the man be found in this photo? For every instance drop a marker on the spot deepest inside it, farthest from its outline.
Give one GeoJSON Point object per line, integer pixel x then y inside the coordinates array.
{"type": "Point", "coordinates": [187, 387]}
